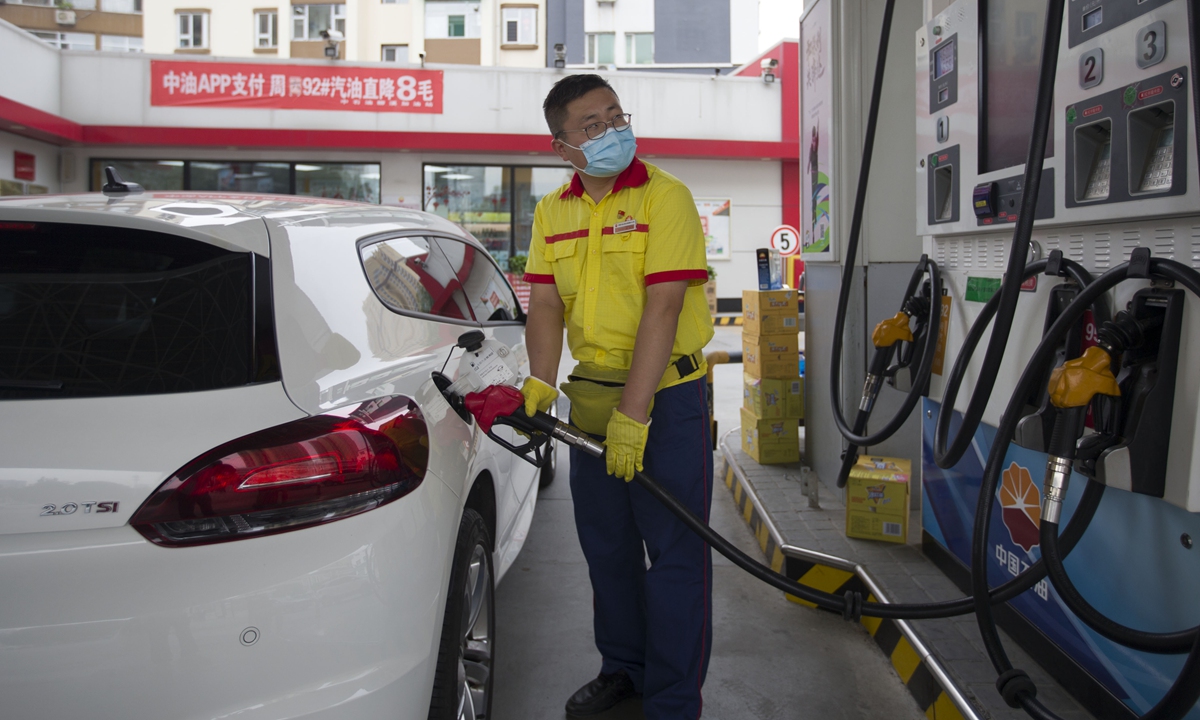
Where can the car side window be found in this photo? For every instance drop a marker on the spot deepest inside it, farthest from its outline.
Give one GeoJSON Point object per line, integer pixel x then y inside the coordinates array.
{"type": "Point", "coordinates": [410, 274]}
{"type": "Point", "coordinates": [488, 292]}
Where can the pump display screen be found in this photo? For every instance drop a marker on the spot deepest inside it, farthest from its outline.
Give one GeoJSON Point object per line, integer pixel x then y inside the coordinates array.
{"type": "Point", "coordinates": [1012, 37]}
{"type": "Point", "coordinates": [943, 60]}
{"type": "Point", "coordinates": [1094, 18]}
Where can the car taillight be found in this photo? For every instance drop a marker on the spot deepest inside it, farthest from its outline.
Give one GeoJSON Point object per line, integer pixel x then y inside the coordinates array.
{"type": "Point", "coordinates": [304, 473]}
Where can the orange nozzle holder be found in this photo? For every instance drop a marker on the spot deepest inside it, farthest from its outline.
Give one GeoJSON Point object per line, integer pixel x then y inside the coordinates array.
{"type": "Point", "coordinates": [1075, 382]}
{"type": "Point", "coordinates": [888, 332]}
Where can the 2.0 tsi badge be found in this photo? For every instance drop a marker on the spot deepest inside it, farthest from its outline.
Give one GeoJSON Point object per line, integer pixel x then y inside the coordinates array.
{"type": "Point", "coordinates": [72, 508]}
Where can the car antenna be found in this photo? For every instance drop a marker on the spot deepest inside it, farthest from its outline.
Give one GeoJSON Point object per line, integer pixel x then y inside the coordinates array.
{"type": "Point", "coordinates": [117, 186]}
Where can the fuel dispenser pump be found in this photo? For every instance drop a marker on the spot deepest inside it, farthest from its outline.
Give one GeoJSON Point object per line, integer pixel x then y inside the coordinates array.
{"type": "Point", "coordinates": [1107, 149]}
{"type": "Point", "coordinates": [1142, 342]}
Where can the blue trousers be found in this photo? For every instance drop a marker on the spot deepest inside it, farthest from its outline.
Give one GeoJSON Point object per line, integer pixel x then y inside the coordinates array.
{"type": "Point", "coordinates": [655, 623]}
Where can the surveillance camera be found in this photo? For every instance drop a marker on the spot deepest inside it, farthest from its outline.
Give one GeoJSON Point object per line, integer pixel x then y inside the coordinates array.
{"type": "Point", "coordinates": [768, 66]}
{"type": "Point", "coordinates": [332, 36]}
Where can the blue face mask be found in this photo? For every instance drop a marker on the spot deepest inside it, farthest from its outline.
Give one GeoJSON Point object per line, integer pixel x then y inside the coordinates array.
{"type": "Point", "coordinates": [610, 154]}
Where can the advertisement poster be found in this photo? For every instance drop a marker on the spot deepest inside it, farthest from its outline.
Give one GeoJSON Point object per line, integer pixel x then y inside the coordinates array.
{"type": "Point", "coordinates": [714, 218]}
{"type": "Point", "coordinates": [295, 87]}
{"type": "Point", "coordinates": [816, 127]}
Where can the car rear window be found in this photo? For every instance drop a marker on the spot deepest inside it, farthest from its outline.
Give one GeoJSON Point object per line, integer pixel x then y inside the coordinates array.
{"type": "Point", "coordinates": [89, 311]}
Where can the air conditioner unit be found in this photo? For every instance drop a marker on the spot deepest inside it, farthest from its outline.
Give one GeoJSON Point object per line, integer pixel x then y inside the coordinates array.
{"type": "Point", "coordinates": [64, 17]}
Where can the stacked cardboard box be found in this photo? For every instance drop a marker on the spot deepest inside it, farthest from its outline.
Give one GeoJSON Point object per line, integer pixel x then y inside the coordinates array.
{"type": "Point", "coordinates": [772, 391]}
{"type": "Point", "coordinates": [877, 495]}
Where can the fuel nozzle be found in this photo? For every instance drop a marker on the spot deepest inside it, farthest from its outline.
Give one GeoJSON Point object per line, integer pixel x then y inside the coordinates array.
{"type": "Point", "coordinates": [505, 405]}
{"type": "Point", "coordinates": [886, 335]}
{"type": "Point", "coordinates": [1072, 387]}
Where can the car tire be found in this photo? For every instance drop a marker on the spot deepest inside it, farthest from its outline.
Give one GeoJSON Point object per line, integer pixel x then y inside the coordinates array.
{"type": "Point", "coordinates": [546, 472]}
{"type": "Point", "coordinates": [462, 683]}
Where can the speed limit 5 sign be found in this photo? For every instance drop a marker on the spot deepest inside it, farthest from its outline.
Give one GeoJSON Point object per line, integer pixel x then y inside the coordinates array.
{"type": "Point", "coordinates": [785, 240]}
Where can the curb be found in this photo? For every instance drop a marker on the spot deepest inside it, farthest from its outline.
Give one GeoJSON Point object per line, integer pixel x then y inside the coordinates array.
{"type": "Point", "coordinates": [922, 673]}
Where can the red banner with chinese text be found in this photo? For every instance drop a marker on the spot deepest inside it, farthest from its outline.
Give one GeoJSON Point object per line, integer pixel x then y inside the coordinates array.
{"type": "Point", "coordinates": [294, 87]}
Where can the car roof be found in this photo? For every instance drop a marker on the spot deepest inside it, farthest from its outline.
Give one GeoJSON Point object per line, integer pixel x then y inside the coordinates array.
{"type": "Point", "coordinates": [229, 220]}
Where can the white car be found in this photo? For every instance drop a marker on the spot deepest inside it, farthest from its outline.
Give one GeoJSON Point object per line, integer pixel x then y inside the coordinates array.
{"type": "Point", "coordinates": [228, 485]}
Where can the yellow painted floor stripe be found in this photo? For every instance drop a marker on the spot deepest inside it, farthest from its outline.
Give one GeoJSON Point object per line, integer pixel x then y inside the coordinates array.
{"type": "Point", "coordinates": [944, 709]}
{"type": "Point", "coordinates": [825, 578]}
{"type": "Point", "coordinates": [905, 659]}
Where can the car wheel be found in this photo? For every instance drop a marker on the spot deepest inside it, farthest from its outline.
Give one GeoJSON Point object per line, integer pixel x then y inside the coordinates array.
{"type": "Point", "coordinates": [547, 471]}
{"type": "Point", "coordinates": [462, 684]}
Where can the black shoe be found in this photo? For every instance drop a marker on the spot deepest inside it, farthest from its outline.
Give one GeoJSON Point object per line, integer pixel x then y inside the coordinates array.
{"type": "Point", "coordinates": [601, 694]}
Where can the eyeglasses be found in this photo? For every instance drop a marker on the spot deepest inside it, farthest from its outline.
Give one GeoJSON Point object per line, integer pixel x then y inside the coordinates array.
{"type": "Point", "coordinates": [597, 130]}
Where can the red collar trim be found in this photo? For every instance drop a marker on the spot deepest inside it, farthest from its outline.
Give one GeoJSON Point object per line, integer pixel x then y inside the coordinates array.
{"type": "Point", "coordinates": [633, 176]}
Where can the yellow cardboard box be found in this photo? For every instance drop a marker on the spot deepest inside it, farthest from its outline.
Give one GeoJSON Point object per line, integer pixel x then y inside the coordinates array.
{"type": "Point", "coordinates": [877, 496]}
{"type": "Point", "coordinates": [772, 398]}
{"type": "Point", "coordinates": [770, 441]}
{"type": "Point", "coordinates": [770, 312]}
{"type": "Point", "coordinates": [771, 356]}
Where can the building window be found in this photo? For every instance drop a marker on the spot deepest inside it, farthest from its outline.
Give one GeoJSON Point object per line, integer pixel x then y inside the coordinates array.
{"type": "Point", "coordinates": [451, 19]}
{"type": "Point", "coordinates": [67, 40]}
{"type": "Point", "coordinates": [121, 43]}
{"type": "Point", "coordinates": [120, 6]}
{"type": "Point", "coordinates": [193, 30]}
{"type": "Point", "coordinates": [395, 54]}
{"type": "Point", "coordinates": [239, 177]}
{"type": "Point", "coordinates": [309, 20]}
{"type": "Point", "coordinates": [266, 29]}
{"type": "Point", "coordinates": [394, 2]}
{"type": "Point", "coordinates": [601, 48]}
{"type": "Point", "coordinates": [349, 181]}
{"type": "Point", "coordinates": [639, 48]}
{"type": "Point", "coordinates": [519, 26]}
{"type": "Point", "coordinates": [495, 203]}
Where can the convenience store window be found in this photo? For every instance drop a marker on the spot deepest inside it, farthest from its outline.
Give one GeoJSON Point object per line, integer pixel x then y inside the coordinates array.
{"type": "Point", "coordinates": [346, 181]}
{"type": "Point", "coordinates": [495, 203]}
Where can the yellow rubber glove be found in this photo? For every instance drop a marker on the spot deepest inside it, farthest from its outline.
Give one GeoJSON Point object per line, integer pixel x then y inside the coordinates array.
{"type": "Point", "coordinates": [538, 396]}
{"type": "Point", "coordinates": [626, 443]}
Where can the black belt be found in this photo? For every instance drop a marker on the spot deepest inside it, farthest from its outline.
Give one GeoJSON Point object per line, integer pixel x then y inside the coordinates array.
{"type": "Point", "coordinates": [685, 366]}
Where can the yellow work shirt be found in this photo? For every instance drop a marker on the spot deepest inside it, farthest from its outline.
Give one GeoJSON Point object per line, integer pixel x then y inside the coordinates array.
{"type": "Point", "coordinates": [602, 257]}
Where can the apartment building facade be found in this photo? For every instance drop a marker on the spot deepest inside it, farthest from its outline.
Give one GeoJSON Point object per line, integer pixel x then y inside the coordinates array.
{"type": "Point", "coordinates": [110, 25]}
{"type": "Point", "coordinates": [701, 36]}
{"type": "Point", "coordinates": [406, 32]}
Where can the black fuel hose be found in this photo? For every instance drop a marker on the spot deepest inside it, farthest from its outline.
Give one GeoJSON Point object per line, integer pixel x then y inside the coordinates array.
{"type": "Point", "coordinates": [838, 603]}
{"type": "Point", "coordinates": [954, 380]}
{"type": "Point", "coordinates": [1015, 685]}
{"type": "Point", "coordinates": [1169, 643]}
{"type": "Point", "coordinates": [1011, 285]}
{"type": "Point", "coordinates": [850, 605]}
{"type": "Point", "coordinates": [839, 324]}
{"type": "Point", "coordinates": [882, 358]}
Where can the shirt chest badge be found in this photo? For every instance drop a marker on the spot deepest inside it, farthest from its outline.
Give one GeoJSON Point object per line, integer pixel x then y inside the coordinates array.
{"type": "Point", "coordinates": [629, 224]}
